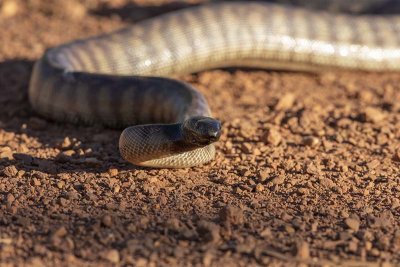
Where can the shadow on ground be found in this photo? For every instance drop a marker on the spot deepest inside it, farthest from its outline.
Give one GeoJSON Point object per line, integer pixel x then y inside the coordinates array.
{"type": "Point", "coordinates": [133, 12]}
{"type": "Point", "coordinates": [18, 119]}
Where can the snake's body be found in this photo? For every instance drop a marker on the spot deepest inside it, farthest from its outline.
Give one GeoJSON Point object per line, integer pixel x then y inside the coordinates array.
{"type": "Point", "coordinates": [110, 79]}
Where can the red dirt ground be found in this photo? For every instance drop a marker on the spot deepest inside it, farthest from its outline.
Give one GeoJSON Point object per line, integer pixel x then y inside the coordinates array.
{"type": "Point", "coordinates": [307, 170]}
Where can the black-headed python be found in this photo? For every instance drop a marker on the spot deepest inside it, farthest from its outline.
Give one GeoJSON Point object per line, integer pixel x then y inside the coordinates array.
{"type": "Point", "coordinates": [119, 79]}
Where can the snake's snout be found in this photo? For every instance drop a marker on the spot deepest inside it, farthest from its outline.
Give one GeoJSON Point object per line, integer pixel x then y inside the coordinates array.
{"type": "Point", "coordinates": [214, 131]}
{"type": "Point", "coordinates": [201, 130]}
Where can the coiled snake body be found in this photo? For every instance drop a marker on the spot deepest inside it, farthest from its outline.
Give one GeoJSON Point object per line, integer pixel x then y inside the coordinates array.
{"type": "Point", "coordinates": [118, 80]}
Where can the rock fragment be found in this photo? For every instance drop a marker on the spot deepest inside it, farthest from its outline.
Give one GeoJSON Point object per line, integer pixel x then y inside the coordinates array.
{"type": "Point", "coordinates": [112, 256]}
{"type": "Point", "coordinates": [232, 215]}
{"type": "Point", "coordinates": [259, 188]}
{"type": "Point", "coordinates": [9, 8]}
{"type": "Point", "coordinates": [106, 220]}
{"type": "Point", "coordinates": [10, 171]}
{"type": "Point", "coordinates": [374, 115]}
{"type": "Point", "coordinates": [263, 175]}
{"type": "Point", "coordinates": [208, 231]}
{"type": "Point", "coordinates": [311, 141]}
{"type": "Point", "coordinates": [303, 250]}
{"type": "Point", "coordinates": [285, 102]}
{"type": "Point", "coordinates": [280, 179]}
{"type": "Point", "coordinates": [352, 223]}
{"type": "Point", "coordinates": [273, 137]}
{"type": "Point", "coordinates": [113, 172]}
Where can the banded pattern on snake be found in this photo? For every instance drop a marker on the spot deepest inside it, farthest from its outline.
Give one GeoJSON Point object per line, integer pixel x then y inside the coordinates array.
{"type": "Point", "coordinates": [120, 79]}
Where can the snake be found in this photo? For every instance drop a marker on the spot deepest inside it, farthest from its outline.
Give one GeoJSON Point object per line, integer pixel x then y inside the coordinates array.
{"type": "Point", "coordinates": [126, 78]}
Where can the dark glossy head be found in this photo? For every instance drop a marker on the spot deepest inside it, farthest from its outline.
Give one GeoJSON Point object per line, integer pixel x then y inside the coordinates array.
{"type": "Point", "coordinates": [200, 131]}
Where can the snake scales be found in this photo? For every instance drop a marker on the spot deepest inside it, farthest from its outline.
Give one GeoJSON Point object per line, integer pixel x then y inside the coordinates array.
{"type": "Point", "coordinates": [120, 79]}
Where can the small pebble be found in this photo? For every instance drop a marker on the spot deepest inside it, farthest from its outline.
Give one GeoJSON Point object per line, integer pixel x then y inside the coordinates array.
{"type": "Point", "coordinates": [373, 164]}
{"type": "Point", "coordinates": [368, 245]}
{"type": "Point", "coordinates": [208, 231]}
{"type": "Point", "coordinates": [66, 143]}
{"type": "Point", "coordinates": [141, 262]}
{"type": "Point", "coordinates": [256, 152]}
{"type": "Point", "coordinates": [113, 172]}
{"type": "Point", "coordinates": [266, 232]}
{"type": "Point", "coordinates": [207, 259]}
{"type": "Point", "coordinates": [20, 173]}
{"type": "Point", "coordinates": [326, 182]}
{"type": "Point", "coordinates": [396, 155]}
{"type": "Point", "coordinates": [246, 148]}
{"type": "Point", "coordinates": [273, 137]}
{"type": "Point", "coordinates": [6, 152]}
{"type": "Point", "coordinates": [9, 8]}
{"type": "Point", "coordinates": [285, 102]}
{"type": "Point", "coordinates": [311, 141]}
{"type": "Point", "coordinates": [60, 184]}
{"type": "Point", "coordinates": [352, 246]}
{"type": "Point", "coordinates": [231, 215]}
{"type": "Point", "coordinates": [289, 229]}
{"type": "Point", "coordinates": [10, 198]}
{"type": "Point", "coordinates": [327, 78]}
{"type": "Point", "coordinates": [259, 188]}
{"type": "Point", "coordinates": [303, 250]}
{"type": "Point", "coordinates": [303, 191]}
{"type": "Point", "coordinates": [352, 223]}
{"type": "Point", "coordinates": [311, 168]}
{"type": "Point", "coordinates": [263, 175]}
{"type": "Point", "coordinates": [6, 241]}
{"type": "Point", "coordinates": [22, 149]}
{"type": "Point", "coordinates": [116, 189]}
{"type": "Point", "coordinates": [112, 256]}
{"type": "Point", "coordinates": [344, 214]}
{"type": "Point", "coordinates": [314, 227]}
{"type": "Point", "coordinates": [10, 171]}
{"type": "Point", "coordinates": [63, 202]}
{"type": "Point", "coordinates": [68, 153]}
{"type": "Point", "coordinates": [36, 182]}
{"type": "Point", "coordinates": [375, 252]}
{"type": "Point", "coordinates": [395, 203]}
{"type": "Point", "coordinates": [60, 232]}
{"type": "Point", "coordinates": [280, 179]}
{"type": "Point", "coordinates": [107, 220]}
{"type": "Point", "coordinates": [374, 115]}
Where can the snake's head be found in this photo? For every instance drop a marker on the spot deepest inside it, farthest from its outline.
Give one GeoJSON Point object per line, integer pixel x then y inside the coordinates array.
{"type": "Point", "coordinates": [201, 131]}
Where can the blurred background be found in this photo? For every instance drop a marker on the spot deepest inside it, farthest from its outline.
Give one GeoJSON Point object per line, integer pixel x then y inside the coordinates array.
{"type": "Point", "coordinates": [9, 8]}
